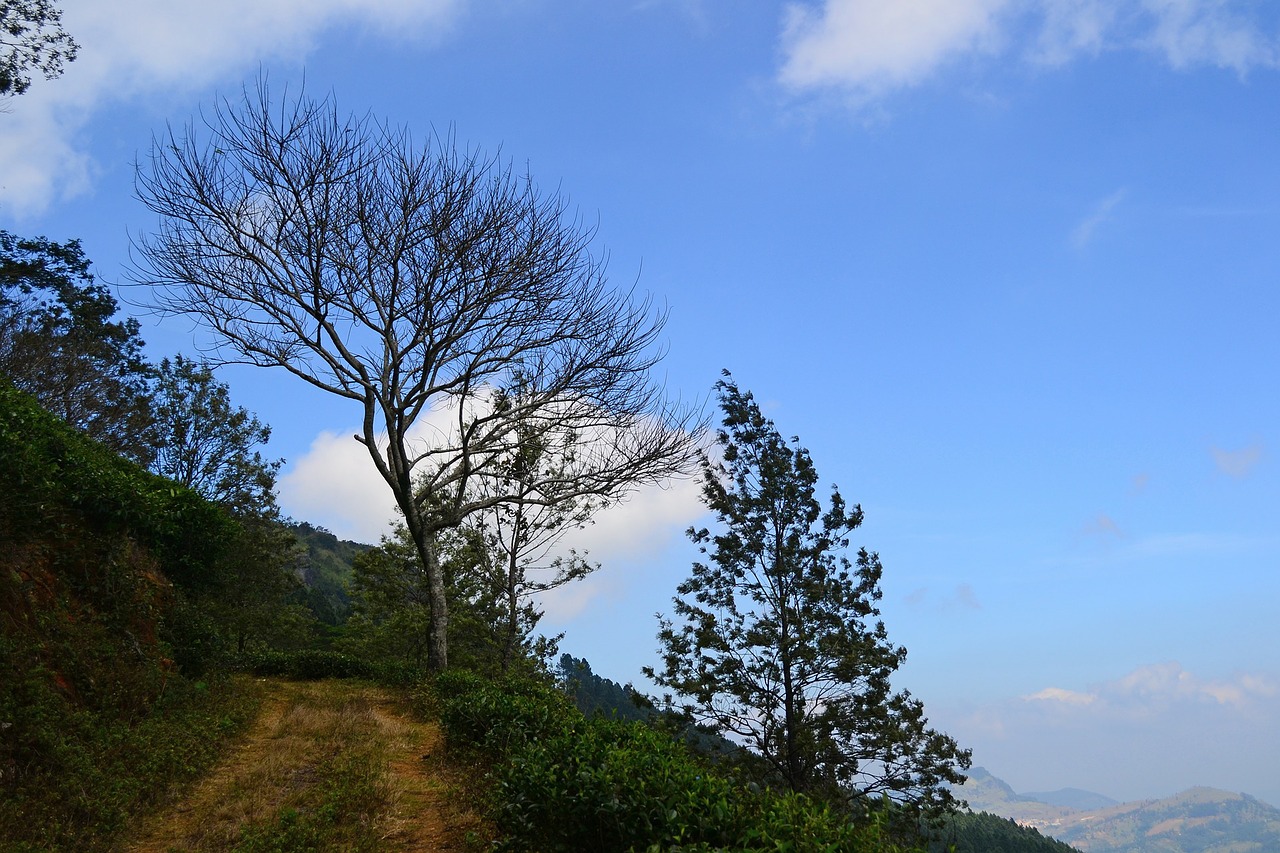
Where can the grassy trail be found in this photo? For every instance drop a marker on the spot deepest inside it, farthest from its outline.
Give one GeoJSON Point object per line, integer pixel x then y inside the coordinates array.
{"type": "Point", "coordinates": [327, 765]}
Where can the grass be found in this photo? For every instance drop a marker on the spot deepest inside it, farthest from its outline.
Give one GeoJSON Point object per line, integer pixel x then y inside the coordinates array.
{"type": "Point", "coordinates": [121, 770]}
{"type": "Point", "coordinates": [329, 765]}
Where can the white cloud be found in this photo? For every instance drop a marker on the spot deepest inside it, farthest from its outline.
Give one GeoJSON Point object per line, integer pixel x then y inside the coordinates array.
{"type": "Point", "coordinates": [643, 524]}
{"type": "Point", "coordinates": [336, 486]}
{"type": "Point", "coordinates": [1083, 233]}
{"type": "Point", "coordinates": [1057, 694]}
{"type": "Point", "coordinates": [142, 47]}
{"type": "Point", "coordinates": [1237, 463]}
{"type": "Point", "coordinates": [1209, 32]}
{"type": "Point", "coordinates": [1072, 27]}
{"type": "Point", "coordinates": [1152, 690]}
{"type": "Point", "coordinates": [633, 533]}
{"type": "Point", "coordinates": [872, 47]}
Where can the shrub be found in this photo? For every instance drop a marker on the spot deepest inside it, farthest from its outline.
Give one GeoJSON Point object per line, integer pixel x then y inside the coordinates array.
{"type": "Point", "coordinates": [560, 782]}
{"type": "Point", "coordinates": [305, 664]}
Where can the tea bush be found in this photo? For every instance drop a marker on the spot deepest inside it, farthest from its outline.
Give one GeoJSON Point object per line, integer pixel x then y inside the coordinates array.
{"type": "Point", "coordinates": [560, 782]}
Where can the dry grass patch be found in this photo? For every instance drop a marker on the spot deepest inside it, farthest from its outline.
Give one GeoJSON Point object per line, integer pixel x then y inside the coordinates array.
{"type": "Point", "coordinates": [336, 765]}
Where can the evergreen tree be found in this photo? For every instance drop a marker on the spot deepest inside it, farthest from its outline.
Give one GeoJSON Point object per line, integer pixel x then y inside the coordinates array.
{"type": "Point", "coordinates": [59, 343]}
{"type": "Point", "coordinates": [780, 646]}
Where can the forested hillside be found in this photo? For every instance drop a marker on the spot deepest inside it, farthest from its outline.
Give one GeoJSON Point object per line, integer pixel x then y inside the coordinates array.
{"type": "Point", "coordinates": [324, 567]}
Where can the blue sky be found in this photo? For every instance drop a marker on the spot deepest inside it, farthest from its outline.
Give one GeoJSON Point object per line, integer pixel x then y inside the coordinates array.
{"type": "Point", "coordinates": [1006, 268]}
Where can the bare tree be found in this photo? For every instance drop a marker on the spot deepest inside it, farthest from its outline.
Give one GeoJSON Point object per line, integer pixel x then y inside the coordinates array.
{"type": "Point", "coordinates": [409, 280]}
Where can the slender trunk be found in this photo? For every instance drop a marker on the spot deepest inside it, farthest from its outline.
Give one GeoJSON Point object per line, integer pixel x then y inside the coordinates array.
{"type": "Point", "coordinates": [438, 634]}
{"type": "Point", "coordinates": [438, 630]}
{"type": "Point", "coordinates": [513, 611]}
{"type": "Point", "coordinates": [791, 721]}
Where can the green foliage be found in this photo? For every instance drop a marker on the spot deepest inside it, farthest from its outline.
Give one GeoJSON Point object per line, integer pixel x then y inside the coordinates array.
{"type": "Point", "coordinates": [59, 343]}
{"type": "Point", "coordinates": [391, 607]}
{"type": "Point", "coordinates": [499, 716]}
{"type": "Point", "coordinates": [780, 645]}
{"type": "Point", "coordinates": [561, 782]}
{"type": "Point", "coordinates": [315, 664]}
{"type": "Point", "coordinates": [982, 832]}
{"type": "Point", "coordinates": [101, 566]}
{"type": "Point", "coordinates": [595, 695]}
{"type": "Point", "coordinates": [326, 568]}
{"type": "Point", "coordinates": [391, 613]}
{"type": "Point", "coordinates": [93, 540]}
{"type": "Point", "coordinates": [100, 770]}
{"type": "Point", "coordinates": [207, 444]}
{"type": "Point", "coordinates": [31, 39]}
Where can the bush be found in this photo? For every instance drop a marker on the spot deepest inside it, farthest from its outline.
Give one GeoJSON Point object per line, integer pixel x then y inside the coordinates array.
{"type": "Point", "coordinates": [560, 782]}
{"type": "Point", "coordinates": [304, 664]}
{"type": "Point", "coordinates": [96, 771]}
{"type": "Point", "coordinates": [499, 717]}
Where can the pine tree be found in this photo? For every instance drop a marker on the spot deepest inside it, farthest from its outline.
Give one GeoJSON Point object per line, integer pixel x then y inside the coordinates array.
{"type": "Point", "coordinates": [780, 645]}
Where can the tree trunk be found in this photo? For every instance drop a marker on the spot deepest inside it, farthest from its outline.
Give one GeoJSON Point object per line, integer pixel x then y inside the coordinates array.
{"type": "Point", "coordinates": [438, 632]}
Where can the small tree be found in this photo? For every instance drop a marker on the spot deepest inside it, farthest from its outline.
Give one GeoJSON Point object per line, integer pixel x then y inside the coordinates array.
{"type": "Point", "coordinates": [391, 605]}
{"type": "Point", "coordinates": [520, 533]}
{"type": "Point", "coordinates": [206, 443]}
{"type": "Point", "coordinates": [408, 280]}
{"type": "Point", "coordinates": [778, 648]}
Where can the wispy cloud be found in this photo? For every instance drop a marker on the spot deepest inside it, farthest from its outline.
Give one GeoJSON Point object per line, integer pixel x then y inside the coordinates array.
{"type": "Point", "coordinates": [1152, 732]}
{"type": "Point", "coordinates": [1237, 463]}
{"type": "Point", "coordinates": [131, 48]}
{"type": "Point", "coordinates": [1057, 694]}
{"type": "Point", "coordinates": [1103, 527]}
{"type": "Point", "coordinates": [1082, 234]}
{"type": "Point", "coordinates": [1130, 549]}
{"type": "Point", "coordinates": [1152, 689]}
{"type": "Point", "coordinates": [963, 597]}
{"type": "Point", "coordinates": [870, 48]}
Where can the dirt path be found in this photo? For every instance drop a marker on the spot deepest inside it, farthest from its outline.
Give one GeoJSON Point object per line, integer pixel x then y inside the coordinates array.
{"type": "Point", "coordinates": [331, 765]}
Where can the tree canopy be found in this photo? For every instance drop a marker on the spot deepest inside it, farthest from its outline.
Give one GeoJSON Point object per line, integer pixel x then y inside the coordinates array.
{"type": "Point", "coordinates": [60, 343]}
{"type": "Point", "coordinates": [31, 39]}
{"type": "Point", "coordinates": [207, 443]}
{"type": "Point", "coordinates": [778, 643]}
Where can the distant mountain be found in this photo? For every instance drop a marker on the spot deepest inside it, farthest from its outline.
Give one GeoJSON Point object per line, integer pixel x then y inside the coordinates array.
{"type": "Point", "coordinates": [1201, 820]}
{"type": "Point", "coordinates": [1073, 798]}
{"type": "Point", "coordinates": [987, 793]}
